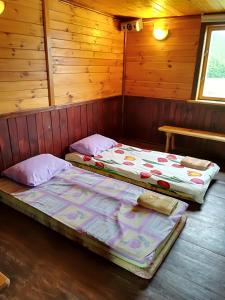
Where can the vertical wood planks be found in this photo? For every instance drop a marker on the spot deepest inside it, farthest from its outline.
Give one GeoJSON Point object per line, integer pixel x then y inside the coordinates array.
{"type": "Point", "coordinates": [57, 144]}
{"type": "Point", "coordinates": [40, 133]}
{"type": "Point", "coordinates": [14, 140]}
{"type": "Point", "coordinates": [144, 115]}
{"type": "Point", "coordinates": [90, 119]}
{"type": "Point", "coordinates": [5, 145]}
{"type": "Point", "coordinates": [83, 117]}
{"type": "Point", "coordinates": [47, 129]}
{"type": "Point", "coordinates": [63, 129]}
{"type": "Point", "coordinates": [77, 125]}
{"type": "Point", "coordinates": [71, 124]}
{"type": "Point", "coordinates": [48, 54]}
{"type": "Point", "coordinates": [23, 138]}
{"type": "Point", "coordinates": [32, 133]}
{"type": "Point", "coordinates": [53, 130]}
{"type": "Point", "coordinates": [95, 117]}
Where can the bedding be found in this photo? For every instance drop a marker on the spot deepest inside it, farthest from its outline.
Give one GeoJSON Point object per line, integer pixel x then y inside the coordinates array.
{"type": "Point", "coordinates": [92, 145]}
{"type": "Point", "coordinates": [102, 214]}
{"type": "Point", "coordinates": [162, 204]}
{"type": "Point", "coordinates": [36, 170]}
{"type": "Point", "coordinates": [153, 170]}
{"type": "Point", "coordinates": [195, 163]}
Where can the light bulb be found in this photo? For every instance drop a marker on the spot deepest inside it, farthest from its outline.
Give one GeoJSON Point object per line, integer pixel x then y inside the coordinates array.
{"type": "Point", "coordinates": [2, 7]}
{"type": "Point", "coordinates": [160, 31]}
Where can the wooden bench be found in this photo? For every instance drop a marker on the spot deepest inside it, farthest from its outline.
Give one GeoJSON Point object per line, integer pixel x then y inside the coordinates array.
{"type": "Point", "coordinates": [171, 131]}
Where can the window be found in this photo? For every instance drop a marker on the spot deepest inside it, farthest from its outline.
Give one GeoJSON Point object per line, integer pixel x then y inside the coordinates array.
{"type": "Point", "coordinates": [212, 75]}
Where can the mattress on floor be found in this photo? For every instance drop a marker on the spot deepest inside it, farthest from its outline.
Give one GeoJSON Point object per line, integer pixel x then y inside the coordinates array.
{"type": "Point", "coordinates": [101, 213]}
{"type": "Point", "coordinates": [153, 170]}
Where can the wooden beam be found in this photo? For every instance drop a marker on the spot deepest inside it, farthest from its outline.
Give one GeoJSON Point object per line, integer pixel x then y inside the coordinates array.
{"type": "Point", "coordinates": [124, 79]}
{"type": "Point", "coordinates": [49, 64]}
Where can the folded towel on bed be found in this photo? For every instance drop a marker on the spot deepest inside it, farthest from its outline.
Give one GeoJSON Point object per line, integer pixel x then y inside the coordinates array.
{"type": "Point", "coordinates": [195, 163]}
{"type": "Point", "coordinates": [162, 204]}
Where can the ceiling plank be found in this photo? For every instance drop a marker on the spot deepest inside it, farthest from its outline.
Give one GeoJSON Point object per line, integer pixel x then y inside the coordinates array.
{"type": "Point", "coordinates": [152, 8]}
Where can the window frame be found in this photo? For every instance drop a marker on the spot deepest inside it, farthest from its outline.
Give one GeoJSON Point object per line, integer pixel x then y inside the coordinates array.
{"type": "Point", "coordinates": [209, 28]}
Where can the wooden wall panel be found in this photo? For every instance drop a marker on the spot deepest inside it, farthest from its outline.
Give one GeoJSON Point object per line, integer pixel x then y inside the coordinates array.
{"type": "Point", "coordinates": [144, 115]}
{"type": "Point", "coordinates": [87, 50]}
{"type": "Point", "coordinates": [163, 69]}
{"type": "Point", "coordinates": [23, 76]}
{"type": "Point", "coordinates": [52, 130]}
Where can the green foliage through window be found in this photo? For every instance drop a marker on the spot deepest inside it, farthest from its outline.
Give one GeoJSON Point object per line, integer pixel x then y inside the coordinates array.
{"type": "Point", "coordinates": [216, 68]}
{"type": "Point", "coordinates": [216, 59]}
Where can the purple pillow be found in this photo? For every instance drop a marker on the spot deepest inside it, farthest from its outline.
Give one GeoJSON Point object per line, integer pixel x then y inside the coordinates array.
{"type": "Point", "coordinates": [92, 145]}
{"type": "Point", "coordinates": [36, 170]}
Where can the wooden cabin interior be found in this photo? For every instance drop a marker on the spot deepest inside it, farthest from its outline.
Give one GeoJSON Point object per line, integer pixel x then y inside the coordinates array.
{"type": "Point", "coordinates": [68, 70]}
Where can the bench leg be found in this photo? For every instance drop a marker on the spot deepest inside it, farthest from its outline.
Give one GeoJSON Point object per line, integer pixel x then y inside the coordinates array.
{"type": "Point", "coordinates": [168, 139]}
{"type": "Point", "coordinates": [172, 142]}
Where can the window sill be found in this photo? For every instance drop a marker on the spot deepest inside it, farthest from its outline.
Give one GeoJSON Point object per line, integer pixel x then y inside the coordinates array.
{"type": "Point", "coordinates": [207, 102]}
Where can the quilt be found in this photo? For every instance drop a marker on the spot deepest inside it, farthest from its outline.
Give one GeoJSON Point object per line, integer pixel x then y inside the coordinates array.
{"type": "Point", "coordinates": [106, 210]}
{"type": "Point", "coordinates": [161, 171]}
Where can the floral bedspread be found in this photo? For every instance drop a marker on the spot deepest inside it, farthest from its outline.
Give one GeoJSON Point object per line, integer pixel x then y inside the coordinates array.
{"type": "Point", "coordinates": [158, 169]}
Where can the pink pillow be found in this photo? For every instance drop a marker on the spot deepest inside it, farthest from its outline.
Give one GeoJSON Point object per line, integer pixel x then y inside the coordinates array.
{"type": "Point", "coordinates": [92, 145]}
{"type": "Point", "coordinates": [36, 170]}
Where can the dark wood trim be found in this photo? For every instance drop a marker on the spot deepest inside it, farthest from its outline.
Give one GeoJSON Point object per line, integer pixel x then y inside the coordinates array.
{"type": "Point", "coordinates": [49, 63]}
{"type": "Point", "coordinates": [198, 61]}
{"type": "Point", "coordinates": [124, 76]}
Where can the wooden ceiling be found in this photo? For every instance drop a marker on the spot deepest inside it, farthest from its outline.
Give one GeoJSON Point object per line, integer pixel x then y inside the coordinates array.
{"type": "Point", "coordinates": [153, 8]}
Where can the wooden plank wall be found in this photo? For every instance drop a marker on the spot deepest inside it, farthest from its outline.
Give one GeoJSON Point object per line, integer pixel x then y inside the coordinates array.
{"type": "Point", "coordinates": [159, 77]}
{"type": "Point", "coordinates": [23, 83]}
{"type": "Point", "coordinates": [163, 69]}
{"type": "Point", "coordinates": [144, 115]}
{"type": "Point", "coordinates": [87, 57]}
{"type": "Point", "coordinates": [87, 50]}
{"type": "Point", "coordinates": [52, 130]}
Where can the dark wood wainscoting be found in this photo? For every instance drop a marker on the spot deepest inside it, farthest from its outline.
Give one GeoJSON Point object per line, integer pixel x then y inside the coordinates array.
{"type": "Point", "coordinates": [144, 115]}
{"type": "Point", "coordinates": [52, 130]}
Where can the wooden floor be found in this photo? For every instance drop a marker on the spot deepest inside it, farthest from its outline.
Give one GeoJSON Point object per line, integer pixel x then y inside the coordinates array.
{"type": "Point", "coordinates": [44, 265]}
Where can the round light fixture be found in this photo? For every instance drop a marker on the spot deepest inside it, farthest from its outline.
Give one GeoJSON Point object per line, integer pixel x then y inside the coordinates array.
{"type": "Point", "coordinates": [2, 7]}
{"type": "Point", "coordinates": [160, 31]}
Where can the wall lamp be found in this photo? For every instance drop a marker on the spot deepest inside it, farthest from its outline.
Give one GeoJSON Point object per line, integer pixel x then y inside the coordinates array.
{"type": "Point", "coordinates": [2, 7]}
{"type": "Point", "coordinates": [160, 30]}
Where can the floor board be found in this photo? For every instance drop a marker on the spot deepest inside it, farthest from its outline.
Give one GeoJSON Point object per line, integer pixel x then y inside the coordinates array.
{"type": "Point", "coordinates": [43, 265]}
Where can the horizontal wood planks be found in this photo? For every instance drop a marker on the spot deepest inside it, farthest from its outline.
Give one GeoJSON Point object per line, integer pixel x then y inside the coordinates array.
{"type": "Point", "coordinates": [144, 115]}
{"type": "Point", "coordinates": [153, 8]}
{"type": "Point", "coordinates": [23, 77]}
{"type": "Point", "coordinates": [54, 129]}
{"type": "Point", "coordinates": [84, 55]}
{"type": "Point", "coordinates": [87, 53]}
{"type": "Point", "coordinates": [162, 69]}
